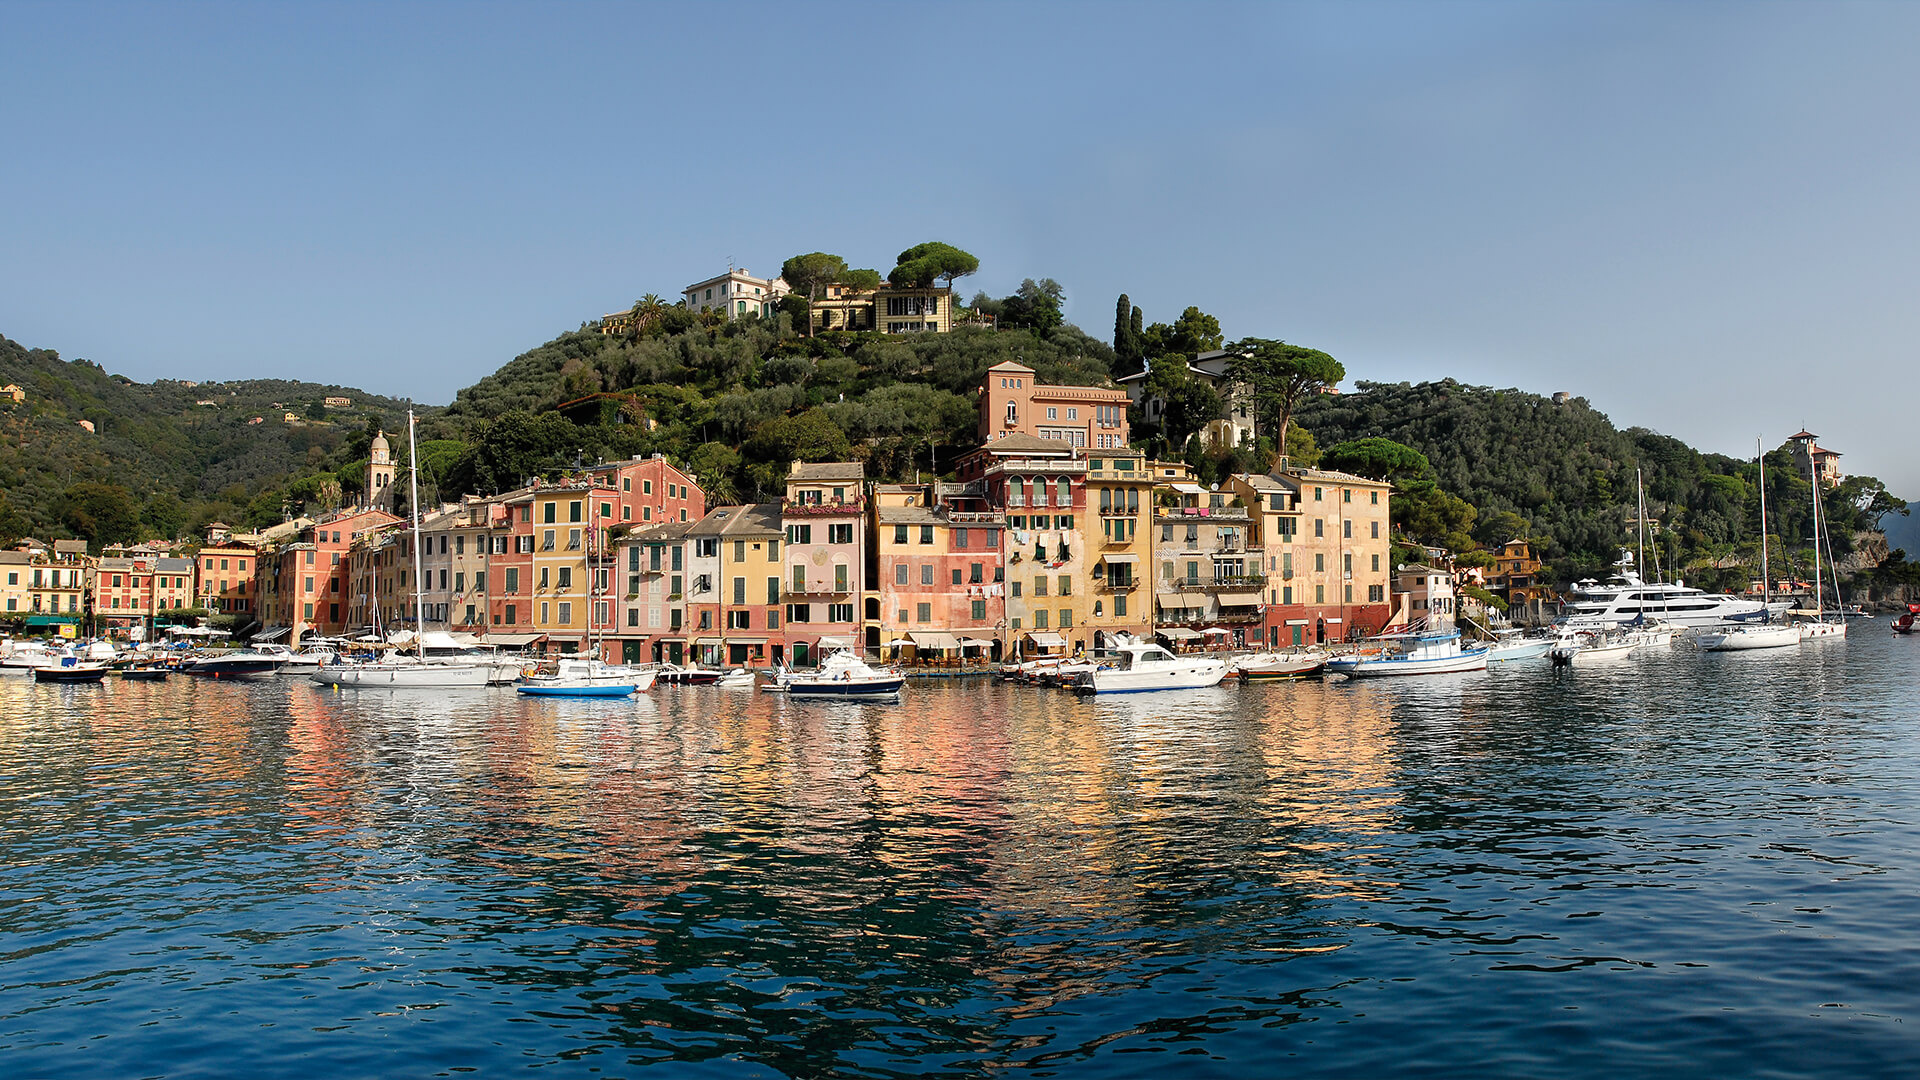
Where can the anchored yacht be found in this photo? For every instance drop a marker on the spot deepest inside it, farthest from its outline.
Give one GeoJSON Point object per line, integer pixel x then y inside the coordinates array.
{"type": "Point", "coordinates": [1625, 598]}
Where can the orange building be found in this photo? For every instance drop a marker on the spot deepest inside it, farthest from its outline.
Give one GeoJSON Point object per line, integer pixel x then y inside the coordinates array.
{"type": "Point", "coordinates": [1013, 403]}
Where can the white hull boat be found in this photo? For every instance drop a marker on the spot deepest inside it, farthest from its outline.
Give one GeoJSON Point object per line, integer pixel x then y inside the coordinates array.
{"type": "Point", "coordinates": [1274, 667]}
{"type": "Point", "coordinates": [400, 675]}
{"type": "Point", "coordinates": [1425, 653]}
{"type": "Point", "coordinates": [1133, 669]}
{"type": "Point", "coordinates": [842, 675]}
{"type": "Point", "coordinates": [1513, 646]}
{"type": "Point", "coordinates": [1822, 631]}
{"type": "Point", "coordinates": [1756, 636]}
{"type": "Point", "coordinates": [1625, 599]}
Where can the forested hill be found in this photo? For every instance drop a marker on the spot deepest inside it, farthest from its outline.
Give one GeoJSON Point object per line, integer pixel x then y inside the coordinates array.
{"type": "Point", "coordinates": [177, 463]}
{"type": "Point", "coordinates": [1567, 475]}
{"type": "Point", "coordinates": [1903, 531]}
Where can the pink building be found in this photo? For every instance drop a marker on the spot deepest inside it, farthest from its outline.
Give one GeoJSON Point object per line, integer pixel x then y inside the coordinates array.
{"type": "Point", "coordinates": [1012, 403]}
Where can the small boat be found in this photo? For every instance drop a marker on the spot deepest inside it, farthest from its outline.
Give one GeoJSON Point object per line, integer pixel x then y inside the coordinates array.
{"type": "Point", "coordinates": [689, 676]}
{"type": "Point", "coordinates": [588, 678]}
{"type": "Point", "coordinates": [841, 675]}
{"type": "Point", "coordinates": [24, 656]}
{"type": "Point", "coordinates": [71, 669]}
{"type": "Point", "coordinates": [144, 673]}
{"type": "Point", "coordinates": [1590, 645]}
{"type": "Point", "coordinates": [243, 663]}
{"type": "Point", "coordinates": [1136, 668]}
{"type": "Point", "coordinates": [738, 677]}
{"type": "Point", "coordinates": [304, 662]}
{"type": "Point", "coordinates": [1431, 652]}
{"type": "Point", "coordinates": [1905, 623]}
{"type": "Point", "coordinates": [1750, 636]}
{"type": "Point", "coordinates": [1272, 667]}
{"type": "Point", "coordinates": [1513, 644]}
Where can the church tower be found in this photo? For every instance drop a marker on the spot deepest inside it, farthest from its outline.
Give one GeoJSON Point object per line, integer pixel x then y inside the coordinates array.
{"type": "Point", "coordinates": [380, 474]}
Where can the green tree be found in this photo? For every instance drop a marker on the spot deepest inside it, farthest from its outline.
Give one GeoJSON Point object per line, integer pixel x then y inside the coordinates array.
{"type": "Point", "coordinates": [808, 275]}
{"type": "Point", "coordinates": [1380, 459]}
{"type": "Point", "coordinates": [810, 436]}
{"type": "Point", "coordinates": [922, 264]}
{"type": "Point", "coordinates": [1189, 404]}
{"type": "Point", "coordinates": [1127, 358]}
{"type": "Point", "coordinates": [1036, 307]}
{"type": "Point", "coordinates": [100, 513]}
{"type": "Point", "coordinates": [1194, 332]}
{"type": "Point", "coordinates": [1280, 376]}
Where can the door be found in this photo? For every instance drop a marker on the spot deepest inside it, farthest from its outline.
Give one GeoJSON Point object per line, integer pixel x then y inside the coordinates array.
{"type": "Point", "coordinates": [629, 652]}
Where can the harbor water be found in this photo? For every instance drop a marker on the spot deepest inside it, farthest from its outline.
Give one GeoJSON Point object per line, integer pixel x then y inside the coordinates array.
{"type": "Point", "coordinates": [1688, 864]}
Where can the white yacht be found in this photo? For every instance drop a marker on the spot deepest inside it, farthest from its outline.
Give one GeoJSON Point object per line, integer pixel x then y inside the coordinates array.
{"type": "Point", "coordinates": [1429, 652]}
{"type": "Point", "coordinates": [1625, 598]}
{"type": "Point", "coordinates": [1134, 668]}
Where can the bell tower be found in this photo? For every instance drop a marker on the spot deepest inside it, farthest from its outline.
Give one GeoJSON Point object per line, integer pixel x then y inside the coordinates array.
{"type": "Point", "coordinates": [380, 474]}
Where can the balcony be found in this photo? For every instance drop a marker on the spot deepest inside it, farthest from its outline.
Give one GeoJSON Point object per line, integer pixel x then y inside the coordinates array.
{"type": "Point", "coordinates": [1106, 586]}
{"type": "Point", "coordinates": [1119, 511]}
{"type": "Point", "coordinates": [1242, 581]}
{"type": "Point", "coordinates": [972, 517]}
{"type": "Point", "coordinates": [844, 508]}
{"type": "Point", "coordinates": [817, 588]}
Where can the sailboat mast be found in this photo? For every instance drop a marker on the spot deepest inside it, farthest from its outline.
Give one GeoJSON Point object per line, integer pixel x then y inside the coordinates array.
{"type": "Point", "coordinates": [413, 504]}
{"type": "Point", "coordinates": [1640, 492]}
{"type": "Point", "coordinates": [1819, 586]}
{"type": "Point", "coordinates": [1766, 573]}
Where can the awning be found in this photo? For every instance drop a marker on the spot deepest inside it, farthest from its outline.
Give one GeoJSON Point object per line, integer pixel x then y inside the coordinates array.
{"type": "Point", "coordinates": [513, 641]}
{"type": "Point", "coordinates": [1177, 633]}
{"type": "Point", "coordinates": [939, 642]}
{"type": "Point", "coordinates": [1332, 620]}
{"type": "Point", "coordinates": [1173, 600]}
{"type": "Point", "coordinates": [1121, 560]}
{"type": "Point", "coordinates": [1048, 641]}
{"type": "Point", "coordinates": [51, 620]}
{"type": "Point", "coordinates": [1215, 631]}
{"type": "Point", "coordinates": [833, 643]}
{"type": "Point", "coordinates": [975, 643]}
{"type": "Point", "coordinates": [1240, 599]}
{"type": "Point", "coordinates": [1296, 622]}
{"type": "Point", "coordinates": [275, 634]}
{"type": "Point", "coordinates": [746, 641]}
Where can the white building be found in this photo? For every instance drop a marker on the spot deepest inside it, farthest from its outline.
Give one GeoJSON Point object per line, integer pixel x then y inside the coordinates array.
{"type": "Point", "coordinates": [736, 292]}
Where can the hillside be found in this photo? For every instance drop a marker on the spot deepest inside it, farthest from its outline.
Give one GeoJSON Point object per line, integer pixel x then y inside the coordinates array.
{"type": "Point", "coordinates": [1903, 532]}
{"type": "Point", "coordinates": [1565, 473]}
{"type": "Point", "coordinates": [179, 462]}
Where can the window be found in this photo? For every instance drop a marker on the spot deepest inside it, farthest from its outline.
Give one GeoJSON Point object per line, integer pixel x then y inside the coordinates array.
{"type": "Point", "coordinates": [923, 612]}
{"type": "Point", "coordinates": [646, 487]}
{"type": "Point", "coordinates": [546, 513]}
{"type": "Point", "coordinates": [1053, 413]}
{"type": "Point", "coordinates": [1040, 620]}
{"type": "Point", "coordinates": [1319, 594]}
{"type": "Point", "coordinates": [1066, 618]}
{"type": "Point", "coordinates": [900, 573]}
{"type": "Point", "coordinates": [1317, 494]}
{"type": "Point", "coordinates": [926, 534]}
{"type": "Point", "coordinates": [1319, 526]}
{"type": "Point", "coordinates": [840, 613]}
{"type": "Point", "coordinates": [773, 590]}
{"type": "Point", "coordinates": [739, 620]}
{"type": "Point", "coordinates": [1120, 605]}
{"type": "Point", "coordinates": [773, 620]}
{"type": "Point", "coordinates": [739, 551]}
{"type": "Point", "coordinates": [1319, 562]}
{"type": "Point", "coordinates": [926, 573]}
{"type": "Point", "coordinates": [566, 577]}
{"type": "Point", "coordinates": [1013, 589]}
{"type": "Point", "coordinates": [573, 539]}
{"type": "Point", "coordinates": [1376, 530]}
{"type": "Point", "coordinates": [956, 575]}
{"type": "Point", "coordinates": [459, 582]}
{"type": "Point", "coordinates": [1040, 585]}
{"type": "Point", "coordinates": [1346, 529]}
{"type": "Point", "coordinates": [899, 534]}
{"type": "Point", "coordinates": [840, 534]}
{"type": "Point", "coordinates": [1376, 564]}
{"type": "Point", "coordinates": [566, 611]}
{"type": "Point", "coordinates": [1066, 585]}
{"type": "Point", "coordinates": [1376, 497]}
{"type": "Point", "coordinates": [839, 577]}
{"type": "Point", "coordinates": [799, 534]}
{"type": "Point", "coordinates": [674, 585]}
{"type": "Point", "coordinates": [546, 540]}
{"type": "Point", "coordinates": [573, 510]}
{"type": "Point", "coordinates": [676, 557]}
{"type": "Point", "coordinates": [1374, 593]}
{"type": "Point", "coordinates": [973, 573]}
{"type": "Point", "coordinates": [739, 590]}
{"type": "Point", "coordinates": [513, 579]}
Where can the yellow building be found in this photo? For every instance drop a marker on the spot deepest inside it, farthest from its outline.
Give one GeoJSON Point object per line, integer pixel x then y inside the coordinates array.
{"type": "Point", "coordinates": [1119, 495]}
{"type": "Point", "coordinates": [568, 519]}
{"type": "Point", "coordinates": [1343, 554]}
{"type": "Point", "coordinates": [16, 567]}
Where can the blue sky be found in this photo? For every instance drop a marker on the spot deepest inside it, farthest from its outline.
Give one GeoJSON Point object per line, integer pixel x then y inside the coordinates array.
{"type": "Point", "coordinates": [1698, 216]}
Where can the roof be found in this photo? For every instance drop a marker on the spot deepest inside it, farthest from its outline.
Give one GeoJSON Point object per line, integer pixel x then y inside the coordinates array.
{"type": "Point", "coordinates": [910, 515]}
{"type": "Point", "coordinates": [1803, 433]}
{"type": "Point", "coordinates": [1009, 365]}
{"type": "Point", "coordinates": [76, 547]}
{"type": "Point", "coordinates": [662, 532]}
{"type": "Point", "coordinates": [1325, 475]}
{"type": "Point", "coordinates": [753, 519]}
{"type": "Point", "coordinates": [1021, 442]}
{"type": "Point", "coordinates": [827, 470]}
{"type": "Point", "coordinates": [1259, 481]}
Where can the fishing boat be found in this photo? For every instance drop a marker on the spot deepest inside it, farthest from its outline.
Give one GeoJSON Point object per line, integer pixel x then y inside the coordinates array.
{"type": "Point", "coordinates": [1276, 666]}
{"type": "Point", "coordinates": [1137, 668]}
{"type": "Point", "coordinates": [396, 671]}
{"type": "Point", "coordinates": [841, 675]}
{"type": "Point", "coordinates": [1427, 652]}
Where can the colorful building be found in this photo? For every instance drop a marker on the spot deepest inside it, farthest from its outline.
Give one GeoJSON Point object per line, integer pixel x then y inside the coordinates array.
{"type": "Point", "coordinates": [824, 515]}
{"type": "Point", "coordinates": [1013, 403]}
{"type": "Point", "coordinates": [939, 576]}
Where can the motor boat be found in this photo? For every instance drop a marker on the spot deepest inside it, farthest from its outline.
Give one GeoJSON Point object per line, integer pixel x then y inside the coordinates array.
{"type": "Point", "coordinates": [1902, 625]}
{"type": "Point", "coordinates": [1430, 652]}
{"type": "Point", "coordinates": [738, 677]}
{"type": "Point", "coordinates": [1135, 668]}
{"type": "Point", "coordinates": [304, 662]}
{"type": "Point", "coordinates": [690, 676]}
{"type": "Point", "coordinates": [841, 675]}
{"type": "Point", "coordinates": [1624, 598]}
{"type": "Point", "coordinates": [1590, 645]}
{"type": "Point", "coordinates": [1750, 636]}
{"type": "Point", "coordinates": [239, 664]}
{"type": "Point", "coordinates": [573, 677]}
{"type": "Point", "coordinates": [1513, 644]}
{"type": "Point", "coordinates": [1274, 666]}
{"type": "Point", "coordinates": [71, 667]}
{"type": "Point", "coordinates": [24, 656]}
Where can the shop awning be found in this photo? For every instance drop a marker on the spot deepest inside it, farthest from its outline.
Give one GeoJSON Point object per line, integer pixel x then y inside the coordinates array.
{"type": "Point", "coordinates": [1177, 633]}
{"type": "Point", "coordinates": [1215, 631]}
{"type": "Point", "coordinates": [1296, 622]}
{"type": "Point", "coordinates": [1240, 599]}
{"type": "Point", "coordinates": [975, 643]}
{"type": "Point", "coordinates": [513, 641]}
{"type": "Point", "coordinates": [833, 643]}
{"type": "Point", "coordinates": [1121, 560]}
{"type": "Point", "coordinates": [51, 620]}
{"type": "Point", "coordinates": [1173, 601]}
{"type": "Point", "coordinates": [1333, 620]}
{"type": "Point", "coordinates": [1048, 641]}
{"type": "Point", "coordinates": [939, 642]}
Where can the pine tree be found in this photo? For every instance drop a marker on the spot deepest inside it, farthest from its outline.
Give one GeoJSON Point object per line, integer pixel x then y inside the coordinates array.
{"type": "Point", "coordinates": [1126, 344]}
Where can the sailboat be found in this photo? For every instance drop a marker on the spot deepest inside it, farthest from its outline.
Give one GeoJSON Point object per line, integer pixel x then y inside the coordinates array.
{"type": "Point", "coordinates": [1817, 625]}
{"type": "Point", "coordinates": [397, 671]}
{"type": "Point", "coordinates": [1766, 635]}
{"type": "Point", "coordinates": [1648, 629]}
